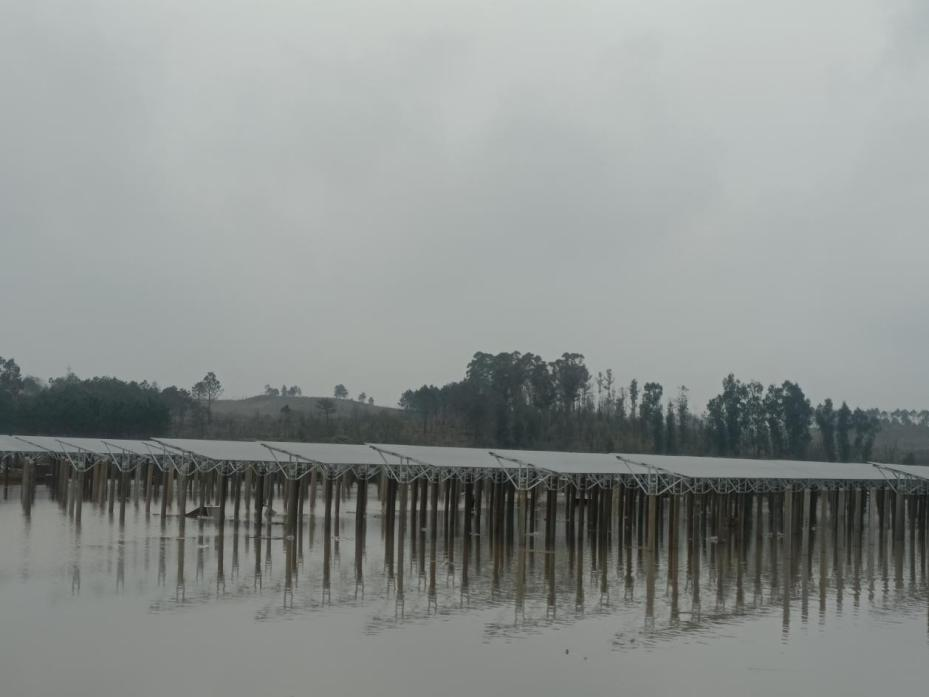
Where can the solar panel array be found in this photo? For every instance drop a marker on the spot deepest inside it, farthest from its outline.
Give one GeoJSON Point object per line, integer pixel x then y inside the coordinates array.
{"type": "Point", "coordinates": [572, 463]}
{"type": "Point", "coordinates": [554, 462]}
{"type": "Point", "coordinates": [915, 471]}
{"type": "Point", "coordinates": [738, 468]}
{"type": "Point", "coordinates": [219, 450]}
{"type": "Point", "coordinates": [439, 456]}
{"type": "Point", "coordinates": [326, 453]}
{"type": "Point", "coordinates": [11, 444]}
{"type": "Point", "coordinates": [71, 446]}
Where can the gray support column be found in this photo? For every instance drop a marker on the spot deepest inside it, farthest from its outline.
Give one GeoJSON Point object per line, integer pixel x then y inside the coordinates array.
{"type": "Point", "coordinates": [182, 502]}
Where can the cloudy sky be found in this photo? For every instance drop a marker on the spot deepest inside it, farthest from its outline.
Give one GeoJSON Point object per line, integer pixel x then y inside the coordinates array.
{"type": "Point", "coordinates": [366, 192]}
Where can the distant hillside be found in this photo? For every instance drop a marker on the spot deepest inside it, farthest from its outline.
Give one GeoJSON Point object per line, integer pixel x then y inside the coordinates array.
{"type": "Point", "coordinates": [263, 405]}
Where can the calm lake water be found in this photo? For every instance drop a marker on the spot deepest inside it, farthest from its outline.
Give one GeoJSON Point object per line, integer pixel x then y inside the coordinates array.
{"type": "Point", "coordinates": [110, 609]}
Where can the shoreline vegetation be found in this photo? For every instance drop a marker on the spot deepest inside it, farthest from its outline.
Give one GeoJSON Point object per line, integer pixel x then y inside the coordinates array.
{"type": "Point", "coordinates": [504, 400]}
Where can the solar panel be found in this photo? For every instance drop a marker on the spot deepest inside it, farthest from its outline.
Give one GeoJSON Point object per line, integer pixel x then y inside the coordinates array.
{"type": "Point", "coordinates": [12, 444]}
{"type": "Point", "coordinates": [101, 446]}
{"type": "Point", "coordinates": [132, 447]}
{"type": "Point", "coordinates": [440, 456]}
{"type": "Point", "coordinates": [61, 445]}
{"type": "Point", "coordinates": [572, 462]}
{"type": "Point", "coordinates": [915, 471]}
{"type": "Point", "coordinates": [552, 461]}
{"type": "Point", "coordinates": [741, 468]}
{"type": "Point", "coordinates": [327, 453]}
{"type": "Point", "coordinates": [565, 463]}
{"type": "Point", "coordinates": [49, 444]}
{"type": "Point", "coordinates": [220, 450]}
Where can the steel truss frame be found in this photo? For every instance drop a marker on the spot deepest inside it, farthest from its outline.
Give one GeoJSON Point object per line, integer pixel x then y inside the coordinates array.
{"type": "Point", "coordinates": [901, 481]}
{"type": "Point", "coordinates": [649, 479]}
{"type": "Point", "coordinates": [83, 460]}
{"type": "Point", "coordinates": [771, 486]}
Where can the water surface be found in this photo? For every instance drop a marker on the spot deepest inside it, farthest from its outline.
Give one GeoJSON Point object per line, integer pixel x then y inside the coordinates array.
{"type": "Point", "coordinates": [110, 609]}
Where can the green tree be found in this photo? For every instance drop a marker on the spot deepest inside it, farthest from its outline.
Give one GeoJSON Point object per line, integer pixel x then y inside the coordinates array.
{"type": "Point", "coordinates": [717, 433]}
{"type": "Point", "coordinates": [633, 402]}
{"type": "Point", "coordinates": [683, 418]}
{"type": "Point", "coordinates": [670, 439]}
{"type": "Point", "coordinates": [179, 403]}
{"type": "Point", "coordinates": [825, 420]}
{"type": "Point", "coordinates": [774, 417]}
{"type": "Point", "coordinates": [209, 389]}
{"type": "Point", "coordinates": [797, 414]}
{"type": "Point", "coordinates": [101, 407]}
{"type": "Point", "coordinates": [11, 377]}
{"type": "Point", "coordinates": [733, 398]}
{"type": "Point", "coordinates": [571, 377]}
{"type": "Point", "coordinates": [755, 420]}
{"type": "Point", "coordinates": [10, 388]}
{"type": "Point", "coordinates": [866, 426]}
{"type": "Point", "coordinates": [340, 391]}
{"type": "Point", "coordinates": [425, 401]}
{"type": "Point", "coordinates": [843, 425]}
{"type": "Point", "coordinates": [651, 415]}
{"type": "Point", "coordinates": [728, 417]}
{"type": "Point", "coordinates": [620, 406]}
{"type": "Point", "coordinates": [609, 387]}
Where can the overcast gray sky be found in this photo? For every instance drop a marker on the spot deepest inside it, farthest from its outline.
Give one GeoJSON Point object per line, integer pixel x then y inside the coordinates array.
{"type": "Point", "coordinates": [368, 192]}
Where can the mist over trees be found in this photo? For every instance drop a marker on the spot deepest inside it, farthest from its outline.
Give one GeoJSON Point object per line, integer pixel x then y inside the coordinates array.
{"type": "Point", "coordinates": [504, 400]}
{"type": "Point", "coordinates": [515, 400]}
{"type": "Point", "coordinates": [72, 406]}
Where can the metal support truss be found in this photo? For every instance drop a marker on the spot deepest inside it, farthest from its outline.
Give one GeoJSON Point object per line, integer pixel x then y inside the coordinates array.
{"type": "Point", "coordinates": [656, 481]}
{"type": "Point", "coordinates": [527, 476]}
{"type": "Point", "coordinates": [903, 482]}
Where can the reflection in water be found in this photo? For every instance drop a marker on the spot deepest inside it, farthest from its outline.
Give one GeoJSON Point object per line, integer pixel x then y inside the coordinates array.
{"type": "Point", "coordinates": [180, 594]}
{"type": "Point", "coordinates": [220, 547]}
{"type": "Point", "coordinates": [235, 554]}
{"type": "Point", "coordinates": [76, 565]}
{"type": "Point", "coordinates": [599, 552]}
{"type": "Point", "coordinates": [327, 543]}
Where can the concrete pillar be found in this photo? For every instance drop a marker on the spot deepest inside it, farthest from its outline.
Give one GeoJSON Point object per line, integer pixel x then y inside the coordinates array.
{"type": "Point", "coordinates": [401, 534]}
{"type": "Point", "coordinates": [181, 503]}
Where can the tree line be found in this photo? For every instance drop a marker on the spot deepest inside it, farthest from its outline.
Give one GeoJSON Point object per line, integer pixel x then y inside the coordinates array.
{"type": "Point", "coordinates": [69, 405]}
{"type": "Point", "coordinates": [520, 400]}
{"type": "Point", "coordinates": [505, 400]}
{"type": "Point", "coordinates": [102, 406]}
{"type": "Point", "coordinates": [114, 408]}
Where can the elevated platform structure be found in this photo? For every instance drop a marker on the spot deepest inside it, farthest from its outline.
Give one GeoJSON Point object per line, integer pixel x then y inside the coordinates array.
{"type": "Point", "coordinates": [82, 453]}
{"type": "Point", "coordinates": [723, 475]}
{"type": "Point", "coordinates": [911, 479]}
{"type": "Point", "coordinates": [653, 474]}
